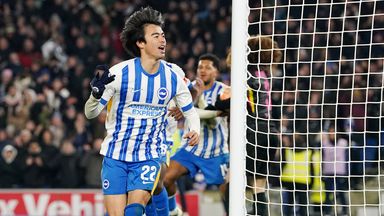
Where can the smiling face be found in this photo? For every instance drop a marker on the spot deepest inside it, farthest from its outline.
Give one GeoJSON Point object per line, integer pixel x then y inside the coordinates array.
{"type": "Point", "coordinates": [206, 71]}
{"type": "Point", "coordinates": [154, 44]}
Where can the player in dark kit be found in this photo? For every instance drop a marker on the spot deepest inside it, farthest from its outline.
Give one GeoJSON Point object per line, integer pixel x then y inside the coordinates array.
{"type": "Point", "coordinates": [262, 135]}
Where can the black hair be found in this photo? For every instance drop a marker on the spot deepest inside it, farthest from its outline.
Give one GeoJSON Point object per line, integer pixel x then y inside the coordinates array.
{"type": "Point", "coordinates": [213, 58]}
{"type": "Point", "coordinates": [133, 30]}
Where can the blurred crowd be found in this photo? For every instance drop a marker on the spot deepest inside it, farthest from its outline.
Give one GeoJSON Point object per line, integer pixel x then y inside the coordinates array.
{"type": "Point", "coordinates": [332, 74]}
{"type": "Point", "coordinates": [48, 52]}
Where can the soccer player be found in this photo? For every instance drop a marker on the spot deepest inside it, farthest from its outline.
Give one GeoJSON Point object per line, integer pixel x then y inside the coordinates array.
{"type": "Point", "coordinates": [137, 91]}
{"type": "Point", "coordinates": [262, 138]}
{"type": "Point", "coordinates": [211, 154]}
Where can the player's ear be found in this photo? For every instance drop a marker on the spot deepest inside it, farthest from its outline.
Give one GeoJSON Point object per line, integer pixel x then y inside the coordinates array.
{"type": "Point", "coordinates": [140, 44]}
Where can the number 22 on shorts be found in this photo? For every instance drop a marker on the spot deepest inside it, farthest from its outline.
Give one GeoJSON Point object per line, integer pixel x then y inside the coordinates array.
{"type": "Point", "coordinates": [149, 174]}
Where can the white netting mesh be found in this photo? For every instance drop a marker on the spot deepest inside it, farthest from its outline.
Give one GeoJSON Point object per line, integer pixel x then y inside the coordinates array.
{"type": "Point", "coordinates": [326, 102]}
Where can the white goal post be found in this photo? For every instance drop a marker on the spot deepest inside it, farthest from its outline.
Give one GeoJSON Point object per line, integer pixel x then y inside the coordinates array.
{"type": "Point", "coordinates": [240, 11]}
{"type": "Point", "coordinates": [326, 100]}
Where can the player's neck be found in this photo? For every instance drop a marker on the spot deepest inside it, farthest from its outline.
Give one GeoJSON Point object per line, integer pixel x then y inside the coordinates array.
{"type": "Point", "coordinates": [209, 85]}
{"type": "Point", "coordinates": [150, 65]}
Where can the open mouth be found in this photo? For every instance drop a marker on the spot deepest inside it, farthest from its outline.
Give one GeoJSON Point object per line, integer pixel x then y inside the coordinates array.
{"type": "Point", "coordinates": [162, 49]}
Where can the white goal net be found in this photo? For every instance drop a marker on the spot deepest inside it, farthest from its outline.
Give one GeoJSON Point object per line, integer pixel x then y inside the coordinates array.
{"type": "Point", "coordinates": [314, 118]}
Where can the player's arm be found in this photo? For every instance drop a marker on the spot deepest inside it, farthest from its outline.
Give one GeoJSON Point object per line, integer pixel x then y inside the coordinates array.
{"type": "Point", "coordinates": [102, 91]}
{"type": "Point", "coordinates": [203, 110]}
{"type": "Point", "coordinates": [223, 101]}
{"type": "Point", "coordinates": [175, 111]}
{"type": "Point", "coordinates": [202, 113]}
{"type": "Point", "coordinates": [207, 114]}
{"type": "Point", "coordinates": [183, 99]}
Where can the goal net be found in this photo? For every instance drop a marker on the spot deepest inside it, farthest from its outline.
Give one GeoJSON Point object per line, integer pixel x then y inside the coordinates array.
{"type": "Point", "coordinates": [314, 118]}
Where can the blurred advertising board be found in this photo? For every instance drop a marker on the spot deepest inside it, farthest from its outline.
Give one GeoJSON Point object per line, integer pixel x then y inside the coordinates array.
{"type": "Point", "coordinates": [64, 202]}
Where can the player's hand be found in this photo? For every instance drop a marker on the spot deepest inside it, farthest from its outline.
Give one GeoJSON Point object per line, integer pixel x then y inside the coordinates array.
{"type": "Point", "coordinates": [176, 113]}
{"type": "Point", "coordinates": [102, 78]}
{"type": "Point", "coordinates": [193, 138]}
{"type": "Point", "coordinates": [226, 94]}
{"type": "Point", "coordinates": [199, 86]}
{"type": "Point", "coordinates": [223, 101]}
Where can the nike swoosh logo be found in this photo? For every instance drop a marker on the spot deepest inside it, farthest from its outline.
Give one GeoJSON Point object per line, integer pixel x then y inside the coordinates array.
{"type": "Point", "coordinates": [134, 90]}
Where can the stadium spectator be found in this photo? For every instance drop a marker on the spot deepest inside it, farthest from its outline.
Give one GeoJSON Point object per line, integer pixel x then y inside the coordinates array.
{"type": "Point", "coordinates": [35, 167]}
{"type": "Point", "coordinates": [49, 155]}
{"type": "Point", "coordinates": [69, 174]}
{"type": "Point", "coordinates": [335, 170]}
{"type": "Point", "coordinates": [81, 135]}
{"type": "Point", "coordinates": [6, 80]}
{"type": "Point", "coordinates": [297, 176]}
{"type": "Point", "coordinates": [28, 53]}
{"type": "Point", "coordinates": [56, 126]}
{"type": "Point", "coordinates": [91, 163]}
{"type": "Point", "coordinates": [97, 128]}
{"type": "Point", "coordinates": [22, 140]}
{"type": "Point", "coordinates": [11, 167]}
{"type": "Point", "coordinates": [4, 139]}
{"type": "Point", "coordinates": [4, 50]}
{"type": "Point", "coordinates": [317, 195]}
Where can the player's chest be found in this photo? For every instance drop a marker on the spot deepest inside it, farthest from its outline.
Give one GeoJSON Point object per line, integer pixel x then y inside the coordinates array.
{"type": "Point", "coordinates": [210, 96]}
{"type": "Point", "coordinates": [148, 90]}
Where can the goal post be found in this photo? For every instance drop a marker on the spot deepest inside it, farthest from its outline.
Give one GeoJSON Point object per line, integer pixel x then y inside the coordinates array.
{"type": "Point", "coordinates": [326, 100]}
{"type": "Point", "coordinates": [240, 11]}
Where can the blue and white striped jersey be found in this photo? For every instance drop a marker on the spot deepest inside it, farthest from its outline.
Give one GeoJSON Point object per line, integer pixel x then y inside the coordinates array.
{"type": "Point", "coordinates": [213, 138]}
{"type": "Point", "coordinates": [170, 122]}
{"type": "Point", "coordinates": [137, 107]}
{"type": "Point", "coordinates": [179, 71]}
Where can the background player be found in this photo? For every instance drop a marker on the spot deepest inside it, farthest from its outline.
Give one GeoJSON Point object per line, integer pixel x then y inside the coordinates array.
{"type": "Point", "coordinates": [262, 139]}
{"type": "Point", "coordinates": [211, 154]}
{"type": "Point", "coordinates": [259, 128]}
{"type": "Point", "coordinates": [139, 91]}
